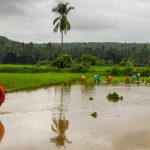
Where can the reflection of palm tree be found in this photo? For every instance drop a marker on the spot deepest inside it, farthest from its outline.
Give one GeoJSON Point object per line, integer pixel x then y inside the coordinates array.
{"type": "Point", "coordinates": [60, 126]}
{"type": "Point", "coordinates": [2, 131]}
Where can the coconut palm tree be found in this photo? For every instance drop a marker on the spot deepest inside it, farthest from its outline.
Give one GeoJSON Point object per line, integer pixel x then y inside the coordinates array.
{"type": "Point", "coordinates": [61, 22]}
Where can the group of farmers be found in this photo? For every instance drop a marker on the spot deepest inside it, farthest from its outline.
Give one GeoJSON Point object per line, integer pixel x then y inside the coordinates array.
{"type": "Point", "coordinates": [96, 78]}
{"type": "Point", "coordinates": [127, 79]}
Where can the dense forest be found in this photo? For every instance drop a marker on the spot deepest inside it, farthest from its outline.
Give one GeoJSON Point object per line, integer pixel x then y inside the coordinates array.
{"type": "Point", "coordinates": [107, 52]}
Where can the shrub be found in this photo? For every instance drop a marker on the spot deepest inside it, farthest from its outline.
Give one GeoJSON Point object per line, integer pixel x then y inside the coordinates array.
{"type": "Point", "coordinates": [145, 72]}
{"type": "Point", "coordinates": [81, 67]}
{"type": "Point", "coordinates": [128, 71]}
{"type": "Point", "coordinates": [43, 62]}
{"type": "Point", "coordinates": [63, 61]}
{"type": "Point", "coordinates": [116, 71]}
{"type": "Point", "coordinates": [129, 63]}
{"type": "Point", "coordinates": [87, 58]}
{"type": "Point", "coordinates": [110, 62]}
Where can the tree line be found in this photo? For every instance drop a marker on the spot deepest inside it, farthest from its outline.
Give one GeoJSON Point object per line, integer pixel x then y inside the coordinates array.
{"type": "Point", "coordinates": [106, 53]}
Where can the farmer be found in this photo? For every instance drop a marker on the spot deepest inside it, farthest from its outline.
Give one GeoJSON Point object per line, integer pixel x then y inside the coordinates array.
{"type": "Point", "coordinates": [127, 79]}
{"type": "Point", "coordinates": [82, 78]}
{"type": "Point", "coordinates": [109, 78]}
{"type": "Point", "coordinates": [2, 95]}
{"type": "Point", "coordinates": [97, 78]}
{"type": "Point", "coordinates": [138, 76]}
{"type": "Point", "coordinates": [133, 78]}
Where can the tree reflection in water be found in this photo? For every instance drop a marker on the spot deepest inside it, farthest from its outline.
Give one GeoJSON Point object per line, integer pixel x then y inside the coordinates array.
{"type": "Point", "coordinates": [2, 131]}
{"type": "Point", "coordinates": [60, 126]}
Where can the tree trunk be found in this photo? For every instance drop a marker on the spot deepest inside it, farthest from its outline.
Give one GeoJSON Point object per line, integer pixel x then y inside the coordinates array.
{"type": "Point", "coordinates": [62, 52]}
{"type": "Point", "coordinates": [62, 44]}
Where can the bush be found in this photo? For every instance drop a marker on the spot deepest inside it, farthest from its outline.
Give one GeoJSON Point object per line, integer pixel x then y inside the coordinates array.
{"type": "Point", "coordinates": [100, 62]}
{"type": "Point", "coordinates": [129, 63]}
{"type": "Point", "coordinates": [116, 71]}
{"type": "Point", "coordinates": [110, 62]}
{"type": "Point", "coordinates": [81, 67]}
{"type": "Point", "coordinates": [43, 62]}
{"type": "Point", "coordinates": [122, 63]}
{"type": "Point", "coordinates": [145, 72]}
{"type": "Point", "coordinates": [128, 71]}
{"type": "Point", "coordinates": [92, 60]}
{"type": "Point", "coordinates": [63, 61]}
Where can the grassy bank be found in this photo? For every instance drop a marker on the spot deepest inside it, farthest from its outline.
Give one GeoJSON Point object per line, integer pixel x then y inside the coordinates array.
{"type": "Point", "coordinates": [22, 77]}
{"type": "Point", "coordinates": [18, 81]}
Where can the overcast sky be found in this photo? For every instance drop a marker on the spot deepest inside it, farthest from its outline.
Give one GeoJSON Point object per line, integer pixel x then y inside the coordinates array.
{"type": "Point", "coordinates": [91, 20]}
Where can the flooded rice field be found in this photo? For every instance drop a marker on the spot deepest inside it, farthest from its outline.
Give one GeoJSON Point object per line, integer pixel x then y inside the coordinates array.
{"type": "Point", "coordinates": [59, 117]}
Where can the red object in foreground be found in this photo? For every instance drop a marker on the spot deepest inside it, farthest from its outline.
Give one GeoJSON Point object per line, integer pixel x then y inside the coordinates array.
{"type": "Point", "coordinates": [2, 95]}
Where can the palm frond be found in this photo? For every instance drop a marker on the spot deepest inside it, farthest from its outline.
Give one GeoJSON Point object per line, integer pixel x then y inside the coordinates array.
{"type": "Point", "coordinates": [56, 27]}
{"type": "Point", "coordinates": [68, 26]}
{"type": "Point", "coordinates": [66, 4]}
{"type": "Point", "coordinates": [68, 10]}
{"type": "Point", "coordinates": [58, 9]}
{"type": "Point", "coordinates": [55, 9]}
{"type": "Point", "coordinates": [55, 20]}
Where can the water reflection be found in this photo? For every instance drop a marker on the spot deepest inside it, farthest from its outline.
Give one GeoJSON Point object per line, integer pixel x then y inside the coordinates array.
{"type": "Point", "coordinates": [2, 131]}
{"type": "Point", "coordinates": [109, 85]}
{"type": "Point", "coordinates": [60, 125]}
{"type": "Point", "coordinates": [87, 88]}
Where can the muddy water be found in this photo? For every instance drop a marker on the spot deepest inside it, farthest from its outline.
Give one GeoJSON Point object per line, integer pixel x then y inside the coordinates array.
{"type": "Point", "coordinates": [59, 118]}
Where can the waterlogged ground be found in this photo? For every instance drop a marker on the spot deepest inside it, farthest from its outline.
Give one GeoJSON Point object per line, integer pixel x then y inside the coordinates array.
{"type": "Point", "coordinates": [59, 118]}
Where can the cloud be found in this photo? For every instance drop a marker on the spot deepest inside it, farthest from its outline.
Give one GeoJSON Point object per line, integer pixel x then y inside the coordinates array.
{"type": "Point", "coordinates": [96, 20]}
{"type": "Point", "coordinates": [9, 8]}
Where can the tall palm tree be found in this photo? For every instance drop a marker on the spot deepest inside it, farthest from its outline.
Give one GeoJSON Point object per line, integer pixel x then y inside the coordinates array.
{"type": "Point", "coordinates": [61, 22]}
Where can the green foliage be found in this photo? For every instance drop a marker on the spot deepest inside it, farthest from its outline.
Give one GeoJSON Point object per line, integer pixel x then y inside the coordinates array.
{"type": "Point", "coordinates": [81, 67]}
{"type": "Point", "coordinates": [148, 62]}
{"type": "Point", "coordinates": [114, 97]}
{"type": "Point", "coordinates": [116, 71]}
{"type": "Point", "coordinates": [128, 71]}
{"type": "Point", "coordinates": [122, 63]}
{"type": "Point", "coordinates": [92, 60]}
{"type": "Point", "coordinates": [107, 53]}
{"type": "Point", "coordinates": [110, 62]}
{"type": "Point", "coordinates": [100, 62]}
{"type": "Point", "coordinates": [63, 61]}
{"type": "Point", "coordinates": [129, 63]}
{"type": "Point", "coordinates": [145, 72]}
{"type": "Point", "coordinates": [43, 62]}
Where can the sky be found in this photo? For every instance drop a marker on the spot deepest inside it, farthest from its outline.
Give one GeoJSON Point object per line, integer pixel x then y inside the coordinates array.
{"type": "Point", "coordinates": [91, 20]}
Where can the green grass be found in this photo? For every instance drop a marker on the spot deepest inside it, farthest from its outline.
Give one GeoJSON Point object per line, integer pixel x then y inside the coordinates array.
{"type": "Point", "coordinates": [102, 69]}
{"type": "Point", "coordinates": [22, 77]}
{"type": "Point", "coordinates": [18, 81]}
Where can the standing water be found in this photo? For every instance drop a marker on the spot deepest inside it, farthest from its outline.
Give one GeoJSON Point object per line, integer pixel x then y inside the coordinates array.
{"type": "Point", "coordinates": [60, 118]}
